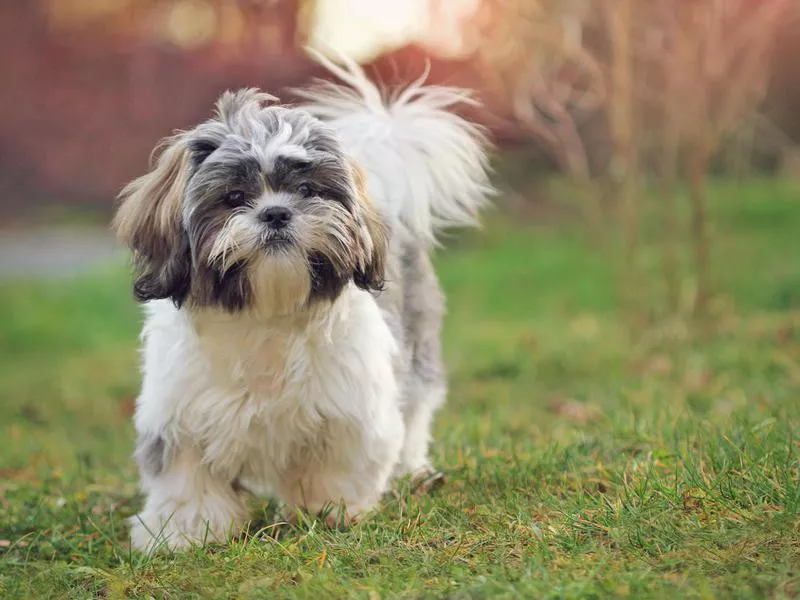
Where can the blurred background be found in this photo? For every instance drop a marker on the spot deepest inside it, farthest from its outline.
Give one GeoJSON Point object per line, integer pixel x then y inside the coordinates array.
{"type": "Point", "coordinates": [609, 95]}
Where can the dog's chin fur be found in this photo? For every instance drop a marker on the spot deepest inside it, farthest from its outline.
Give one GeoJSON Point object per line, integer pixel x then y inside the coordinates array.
{"type": "Point", "coordinates": [274, 270]}
{"type": "Point", "coordinates": [281, 283]}
{"type": "Point", "coordinates": [301, 362]}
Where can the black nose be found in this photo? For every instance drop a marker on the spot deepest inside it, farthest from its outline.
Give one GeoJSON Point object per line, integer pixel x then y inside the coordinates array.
{"type": "Point", "coordinates": [277, 217]}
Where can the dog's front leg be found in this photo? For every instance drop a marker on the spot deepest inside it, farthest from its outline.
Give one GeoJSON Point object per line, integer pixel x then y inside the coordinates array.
{"type": "Point", "coordinates": [187, 503]}
{"type": "Point", "coordinates": [349, 475]}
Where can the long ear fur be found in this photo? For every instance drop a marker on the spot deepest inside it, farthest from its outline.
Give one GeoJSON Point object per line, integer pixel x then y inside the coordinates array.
{"type": "Point", "coordinates": [149, 222]}
{"type": "Point", "coordinates": [373, 238]}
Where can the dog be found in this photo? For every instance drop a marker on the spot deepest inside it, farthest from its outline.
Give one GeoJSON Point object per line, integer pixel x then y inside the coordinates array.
{"type": "Point", "coordinates": [291, 344]}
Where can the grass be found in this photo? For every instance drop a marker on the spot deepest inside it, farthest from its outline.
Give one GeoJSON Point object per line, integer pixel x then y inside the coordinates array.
{"type": "Point", "coordinates": [583, 459]}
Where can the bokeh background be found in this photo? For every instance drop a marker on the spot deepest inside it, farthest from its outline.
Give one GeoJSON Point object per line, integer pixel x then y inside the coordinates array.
{"type": "Point", "coordinates": [613, 96]}
{"type": "Point", "coordinates": [622, 337]}
{"type": "Point", "coordinates": [587, 87]}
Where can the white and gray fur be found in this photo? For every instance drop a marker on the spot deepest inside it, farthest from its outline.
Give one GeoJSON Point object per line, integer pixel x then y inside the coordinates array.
{"type": "Point", "coordinates": [295, 355]}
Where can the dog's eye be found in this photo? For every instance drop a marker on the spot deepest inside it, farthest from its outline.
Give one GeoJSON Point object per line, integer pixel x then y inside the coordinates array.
{"type": "Point", "coordinates": [300, 166]}
{"type": "Point", "coordinates": [234, 198]}
{"type": "Point", "coordinates": [305, 190]}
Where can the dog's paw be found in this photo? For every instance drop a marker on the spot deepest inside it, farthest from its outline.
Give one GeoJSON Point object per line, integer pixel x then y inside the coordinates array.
{"type": "Point", "coordinates": [335, 517]}
{"type": "Point", "coordinates": [426, 480]}
{"type": "Point", "coordinates": [150, 534]}
{"type": "Point", "coordinates": [151, 537]}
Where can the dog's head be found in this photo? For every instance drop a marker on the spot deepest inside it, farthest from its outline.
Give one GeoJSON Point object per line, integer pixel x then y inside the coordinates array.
{"type": "Point", "coordinates": [258, 207]}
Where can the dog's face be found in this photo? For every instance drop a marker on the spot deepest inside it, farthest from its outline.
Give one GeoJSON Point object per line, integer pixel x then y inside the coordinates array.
{"type": "Point", "coordinates": [256, 208]}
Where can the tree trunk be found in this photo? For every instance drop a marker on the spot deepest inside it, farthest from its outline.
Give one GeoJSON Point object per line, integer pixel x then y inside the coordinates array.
{"type": "Point", "coordinates": [671, 240]}
{"type": "Point", "coordinates": [701, 240]}
{"type": "Point", "coordinates": [622, 123]}
{"type": "Point", "coordinates": [671, 143]}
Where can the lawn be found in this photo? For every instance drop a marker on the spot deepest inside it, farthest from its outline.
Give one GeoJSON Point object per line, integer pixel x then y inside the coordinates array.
{"type": "Point", "coordinates": [588, 453]}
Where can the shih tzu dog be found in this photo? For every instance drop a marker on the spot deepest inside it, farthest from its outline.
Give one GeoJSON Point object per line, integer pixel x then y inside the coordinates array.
{"type": "Point", "coordinates": [291, 342]}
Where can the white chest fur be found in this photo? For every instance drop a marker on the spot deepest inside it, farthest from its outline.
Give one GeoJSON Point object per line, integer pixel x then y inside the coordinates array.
{"type": "Point", "coordinates": [259, 397]}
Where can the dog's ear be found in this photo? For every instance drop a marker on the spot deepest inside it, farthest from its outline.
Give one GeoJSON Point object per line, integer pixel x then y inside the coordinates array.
{"type": "Point", "coordinates": [149, 222]}
{"type": "Point", "coordinates": [371, 240]}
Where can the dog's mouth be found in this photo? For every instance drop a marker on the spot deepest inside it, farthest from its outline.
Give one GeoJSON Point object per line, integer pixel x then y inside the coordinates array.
{"type": "Point", "coordinates": [275, 241]}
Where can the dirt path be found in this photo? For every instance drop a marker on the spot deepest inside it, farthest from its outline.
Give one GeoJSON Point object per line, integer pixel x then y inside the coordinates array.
{"type": "Point", "coordinates": [55, 252]}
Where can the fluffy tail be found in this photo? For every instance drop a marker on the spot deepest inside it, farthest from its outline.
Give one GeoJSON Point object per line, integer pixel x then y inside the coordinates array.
{"type": "Point", "coordinates": [426, 166]}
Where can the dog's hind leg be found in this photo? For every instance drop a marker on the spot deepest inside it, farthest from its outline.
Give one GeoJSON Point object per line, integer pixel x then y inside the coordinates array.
{"type": "Point", "coordinates": [425, 382]}
{"type": "Point", "coordinates": [415, 459]}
